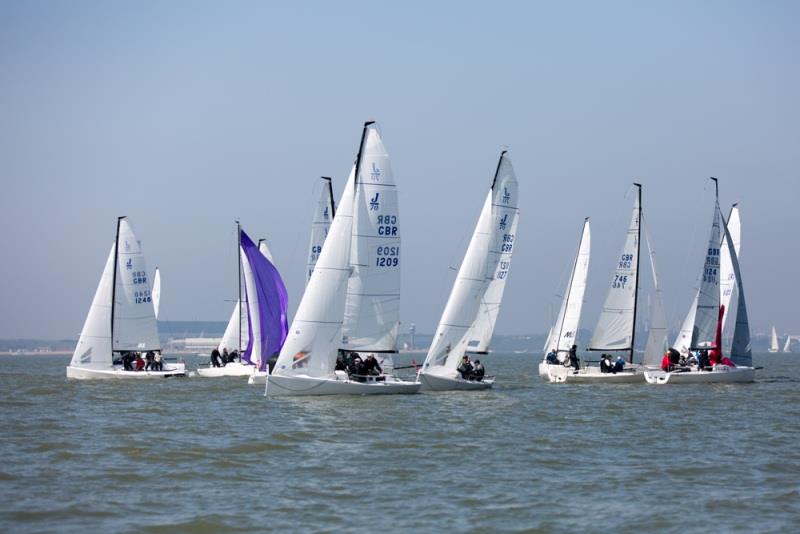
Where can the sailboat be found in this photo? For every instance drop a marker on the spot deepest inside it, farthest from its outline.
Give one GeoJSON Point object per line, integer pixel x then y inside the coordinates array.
{"type": "Point", "coordinates": [468, 320]}
{"type": "Point", "coordinates": [352, 301]}
{"type": "Point", "coordinates": [563, 334]}
{"type": "Point", "coordinates": [616, 327]}
{"type": "Point", "coordinates": [786, 347]}
{"type": "Point", "coordinates": [773, 344]}
{"type": "Point", "coordinates": [709, 315]}
{"type": "Point", "coordinates": [121, 318]}
{"type": "Point", "coordinates": [261, 281]}
{"type": "Point", "coordinates": [727, 285]}
{"type": "Point", "coordinates": [320, 224]}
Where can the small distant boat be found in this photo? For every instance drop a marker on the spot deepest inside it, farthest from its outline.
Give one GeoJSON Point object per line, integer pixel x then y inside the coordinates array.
{"type": "Point", "coordinates": [259, 323]}
{"type": "Point", "coordinates": [709, 314]}
{"type": "Point", "coordinates": [352, 301]}
{"type": "Point", "coordinates": [786, 347]}
{"type": "Point", "coordinates": [121, 318]}
{"type": "Point", "coordinates": [616, 327]}
{"type": "Point", "coordinates": [563, 334]}
{"type": "Point", "coordinates": [773, 344]}
{"type": "Point", "coordinates": [468, 320]}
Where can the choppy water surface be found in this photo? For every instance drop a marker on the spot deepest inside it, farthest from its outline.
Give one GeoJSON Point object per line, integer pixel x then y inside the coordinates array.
{"type": "Point", "coordinates": [212, 455]}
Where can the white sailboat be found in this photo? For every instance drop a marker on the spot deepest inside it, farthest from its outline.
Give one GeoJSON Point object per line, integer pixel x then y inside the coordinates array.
{"type": "Point", "coordinates": [786, 347]}
{"type": "Point", "coordinates": [773, 344]}
{"type": "Point", "coordinates": [709, 315]}
{"type": "Point", "coordinates": [727, 284]}
{"type": "Point", "coordinates": [468, 320]}
{"type": "Point", "coordinates": [237, 333]}
{"type": "Point", "coordinates": [563, 334]}
{"type": "Point", "coordinates": [121, 318]}
{"type": "Point", "coordinates": [352, 300]}
{"type": "Point", "coordinates": [616, 327]}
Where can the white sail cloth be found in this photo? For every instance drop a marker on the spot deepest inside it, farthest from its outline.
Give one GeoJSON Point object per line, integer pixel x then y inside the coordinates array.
{"type": "Point", "coordinates": [312, 344]}
{"type": "Point", "coordinates": [614, 330]}
{"type": "Point", "coordinates": [122, 305]}
{"type": "Point", "coordinates": [563, 333]}
{"type": "Point", "coordinates": [463, 327]}
{"type": "Point", "coordinates": [320, 224]}
{"type": "Point", "coordinates": [372, 308]}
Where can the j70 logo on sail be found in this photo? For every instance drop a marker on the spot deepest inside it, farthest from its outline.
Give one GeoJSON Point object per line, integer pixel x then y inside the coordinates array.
{"type": "Point", "coordinates": [504, 222]}
{"type": "Point", "coordinates": [325, 213]}
{"type": "Point", "coordinates": [375, 173]}
{"type": "Point", "coordinates": [506, 195]}
{"type": "Point", "coordinates": [374, 202]}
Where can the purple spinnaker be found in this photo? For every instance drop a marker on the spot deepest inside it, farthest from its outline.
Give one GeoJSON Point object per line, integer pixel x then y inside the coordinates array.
{"type": "Point", "coordinates": [272, 301]}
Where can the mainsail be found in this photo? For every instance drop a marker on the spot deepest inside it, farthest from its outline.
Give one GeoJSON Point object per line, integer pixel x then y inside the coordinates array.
{"type": "Point", "coordinates": [320, 224]}
{"type": "Point", "coordinates": [133, 318]}
{"type": "Point", "coordinates": [563, 333]}
{"type": "Point", "coordinates": [616, 325]}
{"type": "Point", "coordinates": [372, 306]}
{"type": "Point", "coordinates": [266, 304]}
{"type": "Point", "coordinates": [487, 259]}
{"type": "Point", "coordinates": [707, 310]}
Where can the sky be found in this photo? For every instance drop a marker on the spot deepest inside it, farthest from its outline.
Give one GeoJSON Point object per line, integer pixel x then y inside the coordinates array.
{"type": "Point", "coordinates": [185, 116]}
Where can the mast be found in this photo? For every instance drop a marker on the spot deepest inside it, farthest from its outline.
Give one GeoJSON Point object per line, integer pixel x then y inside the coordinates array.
{"type": "Point", "coordinates": [330, 194]}
{"type": "Point", "coordinates": [358, 156]}
{"type": "Point", "coordinates": [239, 266]}
{"type": "Point", "coordinates": [114, 281]}
{"type": "Point", "coordinates": [569, 288]}
{"type": "Point", "coordinates": [638, 268]}
{"type": "Point", "coordinates": [497, 170]}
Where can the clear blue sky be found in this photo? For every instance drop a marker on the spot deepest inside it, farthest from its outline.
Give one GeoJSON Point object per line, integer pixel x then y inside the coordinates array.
{"type": "Point", "coordinates": [186, 115]}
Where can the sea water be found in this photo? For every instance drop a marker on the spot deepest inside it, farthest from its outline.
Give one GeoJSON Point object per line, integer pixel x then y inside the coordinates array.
{"type": "Point", "coordinates": [213, 455]}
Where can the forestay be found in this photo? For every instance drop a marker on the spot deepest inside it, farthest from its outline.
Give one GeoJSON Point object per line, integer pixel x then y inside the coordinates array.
{"type": "Point", "coordinates": [564, 331]}
{"type": "Point", "coordinates": [320, 224]}
{"type": "Point", "coordinates": [487, 259]}
{"type": "Point", "coordinates": [614, 330]}
{"type": "Point", "coordinates": [312, 343]}
{"type": "Point", "coordinates": [372, 308]}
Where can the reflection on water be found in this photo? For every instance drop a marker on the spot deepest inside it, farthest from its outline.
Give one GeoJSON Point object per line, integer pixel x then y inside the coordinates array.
{"type": "Point", "coordinates": [210, 455]}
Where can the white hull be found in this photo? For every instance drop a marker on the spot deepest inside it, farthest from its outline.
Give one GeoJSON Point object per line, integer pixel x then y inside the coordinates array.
{"type": "Point", "coordinates": [431, 382]}
{"type": "Point", "coordinates": [83, 373]}
{"type": "Point", "coordinates": [592, 375]}
{"type": "Point", "coordinates": [258, 378]}
{"type": "Point", "coordinates": [232, 369]}
{"type": "Point", "coordinates": [279, 386]}
{"type": "Point", "coordinates": [544, 368]}
{"type": "Point", "coordinates": [721, 374]}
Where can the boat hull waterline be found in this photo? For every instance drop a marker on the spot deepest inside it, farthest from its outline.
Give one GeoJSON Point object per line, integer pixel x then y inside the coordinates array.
{"type": "Point", "coordinates": [278, 386]}
{"type": "Point", "coordinates": [431, 382]}
{"type": "Point", "coordinates": [592, 375]}
{"type": "Point", "coordinates": [721, 374]}
{"type": "Point", "coordinates": [84, 373]}
{"type": "Point", "coordinates": [231, 369]}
